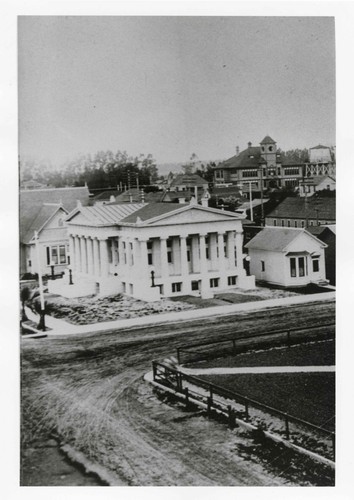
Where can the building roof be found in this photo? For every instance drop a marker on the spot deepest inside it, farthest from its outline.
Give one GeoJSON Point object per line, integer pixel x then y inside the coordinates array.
{"type": "Point", "coordinates": [302, 208]}
{"type": "Point", "coordinates": [39, 205]}
{"type": "Point", "coordinates": [227, 191]}
{"type": "Point", "coordinates": [134, 195]}
{"type": "Point", "coordinates": [276, 239]}
{"type": "Point", "coordinates": [68, 197]}
{"type": "Point", "coordinates": [108, 214]}
{"type": "Point", "coordinates": [252, 158]}
{"type": "Point", "coordinates": [318, 230]}
{"type": "Point", "coordinates": [189, 180]}
{"type": "Point", "coordinates": [152, 210]}
{"type": "Point", "coordinates": [267, 140]}
{"type": "Point", "coordinates": [35, 218]}
{"type": "Point", "coordinates": [320, 147]}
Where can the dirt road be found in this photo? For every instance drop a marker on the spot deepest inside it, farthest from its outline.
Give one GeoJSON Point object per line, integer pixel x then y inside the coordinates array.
{"type": "Point", "coordinates": [90, 391]}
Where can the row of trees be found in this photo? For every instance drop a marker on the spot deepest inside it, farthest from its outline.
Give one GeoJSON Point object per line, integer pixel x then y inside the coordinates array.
{"type": "Point", "coordinates": [104, 169]}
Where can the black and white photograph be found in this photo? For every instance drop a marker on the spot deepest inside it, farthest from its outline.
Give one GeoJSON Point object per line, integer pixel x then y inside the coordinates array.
{"type": "Point", "coordinates": [176, 282]}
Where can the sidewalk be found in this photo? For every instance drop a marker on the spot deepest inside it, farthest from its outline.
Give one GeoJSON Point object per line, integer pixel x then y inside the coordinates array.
{"type": "Point", "coordinates": [61, 327]}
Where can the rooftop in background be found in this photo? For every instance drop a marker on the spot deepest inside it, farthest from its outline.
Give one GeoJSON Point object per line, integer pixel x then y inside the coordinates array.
{"type": "Point", "coordinates": [38, 205]}
{"type": "Point", "coordinates": [188, 180]}
{"type": "Point", "coordinates": [302, 208]}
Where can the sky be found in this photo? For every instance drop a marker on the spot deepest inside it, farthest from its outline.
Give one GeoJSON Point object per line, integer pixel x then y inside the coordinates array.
{"type": "Point", "coordinates": [173, 86]}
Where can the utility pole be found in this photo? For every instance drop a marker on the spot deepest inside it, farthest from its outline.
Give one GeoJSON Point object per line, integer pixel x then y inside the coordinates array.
{"type": "Point", "coordinates": [262, 207]}
{"type": "Point", "coordinates": [41, 324]}
{"type": "Point", "coordinates": [251, 206]}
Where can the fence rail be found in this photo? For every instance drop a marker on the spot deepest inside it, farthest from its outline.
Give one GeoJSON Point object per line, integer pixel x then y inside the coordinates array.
{"type": "Point", "coordinates": [176, 380]}
{"type": "Point", "coordinates": [243, 342]}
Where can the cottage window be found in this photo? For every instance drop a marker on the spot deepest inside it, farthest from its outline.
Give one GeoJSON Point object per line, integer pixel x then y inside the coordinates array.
{"type": "Point", "coordinates": [301, 266]}
{"type": "Point", "coordinates": [293, 267]}
{"type": "Point", "coordinates": [315, 265]}
{"type": "Point", "coordinates": [295, 223]}
{"type": "Point", "coordinates": [289, 223]}
{"type": "Point", "coordinates": [302, 223]}
{"type": "Point", "coordinates": [282, 223]}
{"type": "Point", "coordinates": [262, 266]}
{"type": "Point", "coordinates": [56, 255]}
{"type": "Point", "coordinates": [231, 280]}
{"type": "Point", "coordinates": [274, 222]}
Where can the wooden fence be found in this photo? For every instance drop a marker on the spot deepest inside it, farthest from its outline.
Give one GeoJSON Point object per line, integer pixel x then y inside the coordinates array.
{"type": "Point", "coordinates": [218, 400]}
{"type": "Point", "coordinates": [246, 341]}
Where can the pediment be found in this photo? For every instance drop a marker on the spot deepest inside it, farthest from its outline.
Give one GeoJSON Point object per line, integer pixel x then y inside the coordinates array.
{"type": "Point", "coordinates": [193, 215]}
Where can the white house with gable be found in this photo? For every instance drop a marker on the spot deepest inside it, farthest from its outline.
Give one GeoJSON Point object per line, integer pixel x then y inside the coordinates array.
{"type": "Point", "coordinates": [154, 250]}
{"type": "Point", "coordinates": [287, 257]}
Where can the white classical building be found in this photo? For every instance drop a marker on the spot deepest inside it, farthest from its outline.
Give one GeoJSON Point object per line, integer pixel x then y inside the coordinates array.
{"type": "Point", "coordinates": [154, 250]}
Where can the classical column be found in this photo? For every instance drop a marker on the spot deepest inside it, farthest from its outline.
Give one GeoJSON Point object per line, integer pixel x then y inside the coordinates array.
{"type": "Point", "coordinates": [77, 255]}
{"type": "Point", "coordinates": [72, 251]}
{"type": "Point", "coordinates": [213, 254]}
{"type": "Point", "coordinates": [128, 252]}
{"type": "Point", "coordinates": [184, 259]}
{"type": "Point", "coordinates": [163, 257]}
{"type": "Point", "coordinates": [104, 258]}
{"type": "Point", "coordinates": [221, 251]}
{"type": "Point", "coordinates": [203, 259]}
{"type": "Point", "coordinates": [239, 251]}
{"type": "Point", "coordinates": [195, 251]}
{"type": "Point", "coordinates": [96, 258]}
{"type": "Point", "coordinates": [231, 249]}
{"type": "Point", "coordinates": [83, 255]}
{"type": "Point", "coordinates": [90, 266]}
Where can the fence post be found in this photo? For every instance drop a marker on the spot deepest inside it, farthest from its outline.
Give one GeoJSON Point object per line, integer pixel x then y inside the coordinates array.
{"type": "Point", "coordinates": [232, 420]}
{"type": "Point", "coordinates": [246, 410]}
{"type": "Point", "coordinates": [287, 432]}
{"type": "Point", "coordinates": [288, 338]}
{"type": "Point", "coordinates": [186, 392]}
{"type": "Point", "coordinates": [210, 402]}
{"type": "Point", "coordinates": [179, 382]}
{"type": "Point", "coordinates": [154, 370]}
{"type": "Point", "coordinates": [211, 391]}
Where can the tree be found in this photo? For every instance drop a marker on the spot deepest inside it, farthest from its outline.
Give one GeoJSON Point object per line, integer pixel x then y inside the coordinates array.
{"type": "Point", "coordinates": [25, 295]}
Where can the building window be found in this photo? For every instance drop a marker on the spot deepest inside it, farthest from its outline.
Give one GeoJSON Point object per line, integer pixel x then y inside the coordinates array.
{"type": "Point", "coordinates": [289, 223]}
{"type": "Point", "coordinates": [207, 243]}
{"type": "Point", "coordinates": [293, 267]}
{"type": "Point", "coordinates": [274, 222]}
{"type": "Point", "coordinates": [291, 171]}
{"type": "Point", "coordinates": [56, 255]}
{"type": "Point", "coordinates": [29, 263]}
{"type": "Point", "coordinates": [214, 282]}
{"type": "Point", "coordinates": [262, 266]}
{"type": "Point", "coordinates": [131, 289]}
{"type": "Point", "coordinates": [282, 223]}
{"type": "Point", "coordinates": [302, 223]}
{"type": "Point", "coordinates": [195, 285]}
{"type": "Point", "coordinates": [251, 172]}
{"type": "Point", "coordinates": [231, 280]}
{"type": "Point", "coordinates": [169, 251]}
{"type": "Point", "coordinates": [298, 267]}
{"type": "Point", "coordinates": [176, 287]}
{"type": "Point", "coordinates": [219, 174]}
{"type": "Point", "coordinates": [131, 254]}
{"type": "Point", "coordinates": [149, 250]}
{"type": "Point", "coordinates": [295, 223]}
{"type": "Point", "coordinates": [315, 265]}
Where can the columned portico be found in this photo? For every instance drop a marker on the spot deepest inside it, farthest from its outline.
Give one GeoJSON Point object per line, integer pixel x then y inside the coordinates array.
{"type": "Point", "coordinates": [184, 245]}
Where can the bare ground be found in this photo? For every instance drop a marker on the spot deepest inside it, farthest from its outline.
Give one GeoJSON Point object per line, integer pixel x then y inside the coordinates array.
{"type": "Point", "coordinates": [91, 392]}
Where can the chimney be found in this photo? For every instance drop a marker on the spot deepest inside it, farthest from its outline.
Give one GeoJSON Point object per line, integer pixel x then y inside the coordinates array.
{"type": "Point", "coordinates": [130, 198]}
{"type": "Point", "coordinates": [237, 150]}
{"type": "Point", "coordinates": [112, 199]}
{"type": "Point", "coordinates": [181, 200]}
{"type": "Point", "coordinates": [142, 196]}
{"type": "Point", "coordinates": [249, 144]}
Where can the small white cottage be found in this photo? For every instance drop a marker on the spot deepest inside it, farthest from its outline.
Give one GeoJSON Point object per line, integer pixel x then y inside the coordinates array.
{"type": "Point", "coordinates": [287, 257]}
